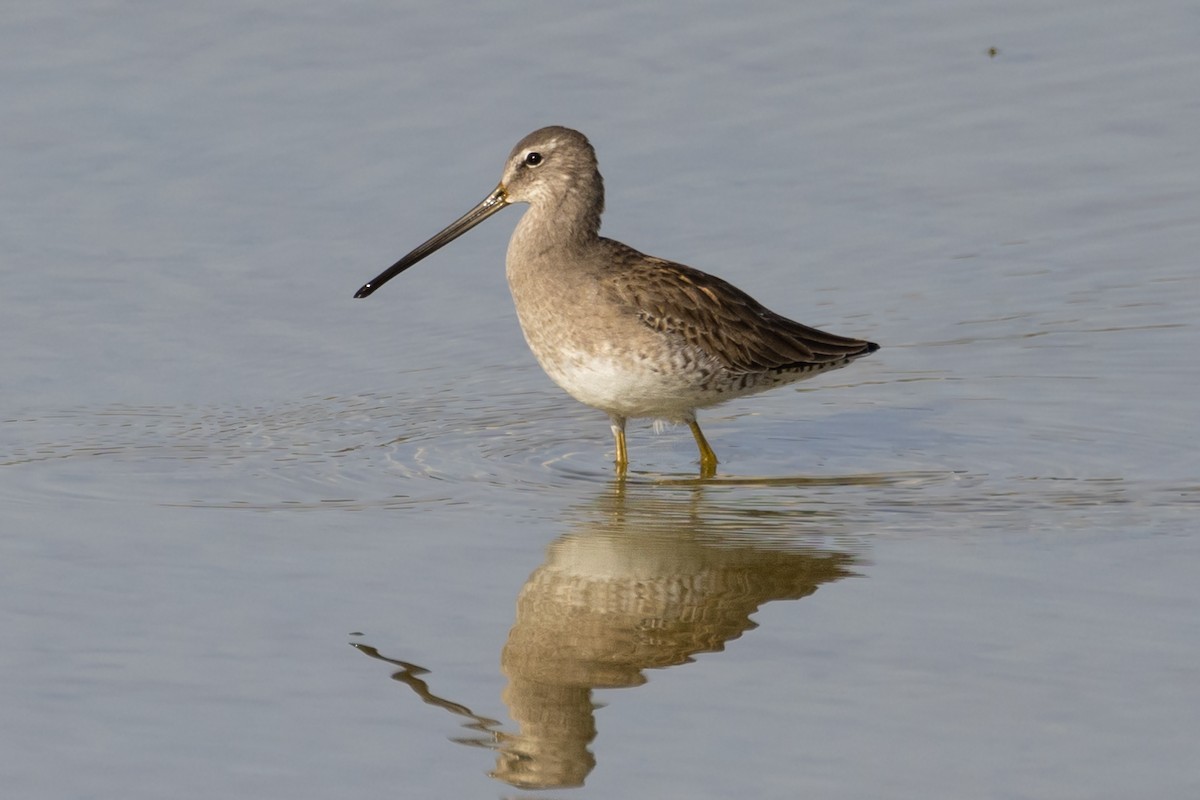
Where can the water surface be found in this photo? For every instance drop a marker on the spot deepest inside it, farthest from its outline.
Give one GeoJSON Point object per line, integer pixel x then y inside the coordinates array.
{"type": "Point", "coordinates": [962, 567]}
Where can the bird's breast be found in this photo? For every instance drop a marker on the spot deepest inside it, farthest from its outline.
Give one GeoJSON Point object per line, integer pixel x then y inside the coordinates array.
{"type": "Point", "coordinates": [604, 356]}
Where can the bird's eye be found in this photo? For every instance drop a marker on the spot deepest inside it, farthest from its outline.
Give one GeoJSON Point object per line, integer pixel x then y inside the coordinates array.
{"type": "Point", "coordinates": [533, 159]}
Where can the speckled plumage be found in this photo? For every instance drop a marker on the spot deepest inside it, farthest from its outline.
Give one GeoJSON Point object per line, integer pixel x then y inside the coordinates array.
{"type": "Point", "coordinates": [630, 334]}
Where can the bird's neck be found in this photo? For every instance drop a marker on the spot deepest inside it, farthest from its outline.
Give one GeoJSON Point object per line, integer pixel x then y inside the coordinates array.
{"type": "Point", "coordinates": [566, 220]}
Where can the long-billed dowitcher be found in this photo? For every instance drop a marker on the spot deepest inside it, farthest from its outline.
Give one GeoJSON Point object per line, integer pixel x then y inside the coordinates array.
{"type": "Point", "coordinates": [624, 332]}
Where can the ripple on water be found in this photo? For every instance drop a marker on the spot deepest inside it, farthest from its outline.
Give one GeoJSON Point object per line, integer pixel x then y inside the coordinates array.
{"type": "Point", "coordinates": [360, 451]}
{"type": "Point", "coordinates": [399, 451]}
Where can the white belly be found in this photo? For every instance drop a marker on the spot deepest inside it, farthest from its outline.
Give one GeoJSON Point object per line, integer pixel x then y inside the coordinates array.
{"type": "Point", "coordinates": [621, 384]}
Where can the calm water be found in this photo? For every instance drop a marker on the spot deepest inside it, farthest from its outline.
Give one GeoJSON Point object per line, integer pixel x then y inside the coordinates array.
{"type": "Point", "coordinates": [261, 539]}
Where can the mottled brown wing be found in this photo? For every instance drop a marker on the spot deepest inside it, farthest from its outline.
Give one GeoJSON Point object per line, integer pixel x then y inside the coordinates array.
{"type": "Point", "coordinates": [722, 320]}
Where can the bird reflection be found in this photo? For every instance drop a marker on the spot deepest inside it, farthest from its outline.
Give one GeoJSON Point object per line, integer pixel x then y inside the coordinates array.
{"type": "Point", "coordinates": [640, 583]}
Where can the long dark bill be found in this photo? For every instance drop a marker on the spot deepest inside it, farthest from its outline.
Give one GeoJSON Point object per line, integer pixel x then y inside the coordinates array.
{"type": "Point", "coordinates": [495, 201]}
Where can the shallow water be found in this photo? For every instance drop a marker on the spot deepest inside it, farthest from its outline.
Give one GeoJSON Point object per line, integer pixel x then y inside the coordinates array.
{"type": "Point", "coordinates": [961, 567]}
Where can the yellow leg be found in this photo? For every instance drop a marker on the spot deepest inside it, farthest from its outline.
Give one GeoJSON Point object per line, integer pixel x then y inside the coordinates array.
{"type": "Point", "coordinates": [618, 429]}
{"type": "Point", "coordinates": [708, 459]}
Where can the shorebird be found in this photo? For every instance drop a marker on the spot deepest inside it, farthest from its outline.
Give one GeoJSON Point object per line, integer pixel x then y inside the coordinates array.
{"type": "Point", "coordinates": [630, 334]}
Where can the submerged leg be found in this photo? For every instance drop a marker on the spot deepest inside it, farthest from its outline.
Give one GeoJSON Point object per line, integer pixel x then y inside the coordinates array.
{"type": "Point", "coordinates": [708, 459]}
{"type": "Point", "coordinates": [618, 429]}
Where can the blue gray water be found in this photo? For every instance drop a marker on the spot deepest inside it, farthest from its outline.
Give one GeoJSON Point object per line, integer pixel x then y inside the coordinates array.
{"type": "Point", "coordinates": [261, 539]}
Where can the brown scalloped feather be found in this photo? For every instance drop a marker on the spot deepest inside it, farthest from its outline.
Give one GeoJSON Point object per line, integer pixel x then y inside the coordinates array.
{"type": "Point", "coordinates": [720, 319]}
